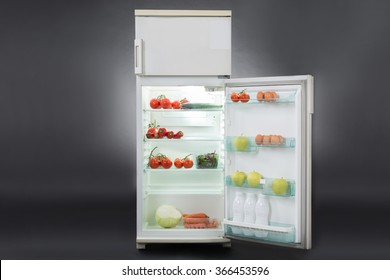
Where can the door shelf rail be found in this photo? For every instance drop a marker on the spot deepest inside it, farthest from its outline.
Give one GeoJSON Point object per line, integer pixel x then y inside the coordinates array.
{"type": "Point", "coordinates": [275, 232]}
{"type": "Point", "coordinates": [250, 144]}
{"type": "Point", "coordinates": [265, 187]}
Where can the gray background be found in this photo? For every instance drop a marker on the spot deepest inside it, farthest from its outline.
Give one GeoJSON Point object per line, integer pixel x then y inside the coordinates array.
{"type": "Point", "coordinates": [67, 118]}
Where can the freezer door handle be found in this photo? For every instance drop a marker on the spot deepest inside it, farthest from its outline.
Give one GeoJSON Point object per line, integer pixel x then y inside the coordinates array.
{"type": "Point", "coordinates": [138, 56]}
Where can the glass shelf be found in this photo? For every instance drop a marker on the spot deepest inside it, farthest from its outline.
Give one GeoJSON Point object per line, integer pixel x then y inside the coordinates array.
{"type": "Point", "coordinates": [265, 186]}
{"type": "Point", "coordinates": [249, 144]}
{"type": "Point", "coordinates": [193, 169]}
{"type": "Point", "coordinates": [187, 190]}
{"type": "Point", "coordinates": [179, 227]}
{"type": "Point", "coordinates": [185, 138]}
{"type": "Point", "coordinates": [275, 232]}
{"type": "Point", "coordinates": [181, 110]}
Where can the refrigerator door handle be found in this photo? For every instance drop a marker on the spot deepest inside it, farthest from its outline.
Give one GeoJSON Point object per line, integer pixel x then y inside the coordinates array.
{"type": "Point", "coordinates": [138, 56]}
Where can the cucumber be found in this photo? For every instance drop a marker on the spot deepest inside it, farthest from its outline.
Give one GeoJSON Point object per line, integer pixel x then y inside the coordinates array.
{"type": "Point", "coordinates": [200, 106]}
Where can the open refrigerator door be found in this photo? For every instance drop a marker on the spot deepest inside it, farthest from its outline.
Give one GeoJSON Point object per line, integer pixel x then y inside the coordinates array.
{"type": "Point", "coordinates": [268, 160]}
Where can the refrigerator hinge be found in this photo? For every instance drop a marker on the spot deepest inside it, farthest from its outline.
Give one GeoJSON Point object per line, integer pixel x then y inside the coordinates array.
{"type": "Point", "coordinates": [224, 77]}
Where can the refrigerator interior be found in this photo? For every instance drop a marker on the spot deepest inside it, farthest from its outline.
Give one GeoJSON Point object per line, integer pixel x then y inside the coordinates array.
{"type": "Point", "coordinates": [190, 190]}
{"type": "Point", "coordinates": [270, 155]}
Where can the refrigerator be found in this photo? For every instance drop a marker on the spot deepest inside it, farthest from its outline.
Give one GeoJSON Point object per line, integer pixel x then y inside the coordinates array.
{"type": "Point", "coordinates": [218, 158]}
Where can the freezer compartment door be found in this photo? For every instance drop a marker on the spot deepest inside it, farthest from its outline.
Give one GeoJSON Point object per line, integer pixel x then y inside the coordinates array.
{"type": "Point", "coordinates": [182, 44]}
{"type": "Point", "coordinates": [268, 160]}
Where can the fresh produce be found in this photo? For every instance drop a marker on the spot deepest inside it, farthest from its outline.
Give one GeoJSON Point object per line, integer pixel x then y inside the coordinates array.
{"type": "Point", "coordinates": [242, 96]}
{"type": "Point", "coordinates": [269, 139]}
{"type": "Point", "coordinates": [166, 162]}
{"type": "Point", "coordinates": [196, 215]}
{"type": "Point", "coordinates": [162, 132]}
{"type": "Point", "coordinates": [241, 143]}
{"type": "Point", "coordinates": [188, 163]}
{"type": "Point", "coordinates": [157, 132]}
{"type": "Point", "coordinates": [152, 130]}
{"type": "Point", "coordinates": [178, 163]}
{"type": "Point", "coordinates": [254, 179]}
{"type": "Point", "coordinates": [185, 162]}
{"type": "Point", "coordinates": [204, 223]}
{"type": "Point", "coordinates": [199, 221]}
{"type": "Point", "coordinates": [280, 186]}
{"type": "Point", "coordinates": [178, 134]}
{"type": "Point", "coordinates": [167, 216]}
{"type": "Point", "coordinates": [267, 96]}
{"type": "Point", "coordinates": [165, 103]}
{"type": "Point", "coordinates": [238, 178]}
{"type": "Point", "coordinates": [170, 134]}
{"type": "Point", "coordinates": [155, 103]}
{"type": "Point", "coordinates": [176, 104]}
{"type": "Point", "coordinates": [207, 161]}
{"type": "Point", "coordinates": [155, 161]}
{"type": "Point", "coordinates": [235, 97]}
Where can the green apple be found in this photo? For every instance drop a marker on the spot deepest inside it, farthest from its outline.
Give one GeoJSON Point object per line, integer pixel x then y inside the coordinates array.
{"type": "Point", "coordinates": [254, 179]}
{"type": "Point", "coordinates": [241, 143]}
{"type": "Point", "coordinates": [238, 178]}
{"type": "Point", "coordinates": [279, 186]}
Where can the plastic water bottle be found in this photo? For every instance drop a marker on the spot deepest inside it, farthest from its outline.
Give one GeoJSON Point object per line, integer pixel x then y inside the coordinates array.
{"type": "Point", "coordinates": [249, 213]}
{"type": "Point", "coordinates": [238, 211]}
{"type": "Point", "coordinates": [262, 215]}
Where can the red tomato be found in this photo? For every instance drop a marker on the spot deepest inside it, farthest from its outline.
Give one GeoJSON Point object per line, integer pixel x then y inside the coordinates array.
{"type": "Point", "coordinates": [165, 103]}
{"type": "Point", "coordinates": [178, 163]}
{"type": "Point", "coordinates": [152, 130]}
{"type": "Point", "coordinates": [154, 162]}
{"type": "Point", "coordinates": [166, 163]}
{"type": "Point", "coordinates": [176, 104]}
{"type": "Point", "coordinates": [244, 97]}
{"type": "Point", "coordinates": [188, 163]}
{"type": "Point", "coordinates": [235, 97]}
{"type": "Point", "coordinates": [154, 103]}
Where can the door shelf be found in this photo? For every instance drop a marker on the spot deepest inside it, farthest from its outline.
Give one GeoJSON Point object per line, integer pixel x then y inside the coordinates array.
{"type": "Point", "coordinates": [254, 101]}
{"type": "Point", "coordinates": [275, 232]}
{"type": "Point", "coordinates": [265, 187]}
{"type": "Point", "coordinates": [249, 144]}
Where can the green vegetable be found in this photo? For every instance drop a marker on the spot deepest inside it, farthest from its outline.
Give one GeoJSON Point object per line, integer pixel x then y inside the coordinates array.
{"type": "Point", "coordinates": [167, 216]}
{"type": "Point", "coordinates": [209, 160]}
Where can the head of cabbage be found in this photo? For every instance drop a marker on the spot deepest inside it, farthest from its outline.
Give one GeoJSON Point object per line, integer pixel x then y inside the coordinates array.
{"type": "Point", "coordinates": [167, 216]}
